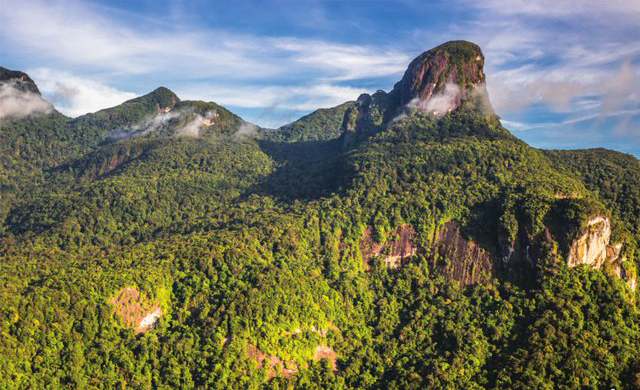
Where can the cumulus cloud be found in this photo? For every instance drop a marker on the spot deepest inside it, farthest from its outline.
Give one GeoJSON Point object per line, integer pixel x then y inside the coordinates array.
{"type": "Point", "coordinates": [78, 35]}
{"type": "Point", "coordinates": [302, 74]}
{"type": "Point", "coordinates": [293, 97]}
{"type": "Point", "coordinates": [73, 95]}
{"type": "Point", "coordinates": [16, 103]}
{"type": "Point", "coordinates": [540, 55]}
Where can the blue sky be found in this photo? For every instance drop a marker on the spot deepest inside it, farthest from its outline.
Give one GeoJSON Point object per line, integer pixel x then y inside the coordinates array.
{"type": "Point", "coordinates": [560, 74]}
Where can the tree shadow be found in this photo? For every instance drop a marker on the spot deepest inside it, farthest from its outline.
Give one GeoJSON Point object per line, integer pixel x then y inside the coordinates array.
{"type": "Point", "coordinates": [305, 170]}
{"type": "Point", "coordinates": [482, 227]}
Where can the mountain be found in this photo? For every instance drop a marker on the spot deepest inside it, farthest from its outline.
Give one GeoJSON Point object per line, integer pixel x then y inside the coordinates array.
{"type": "Point", "coordinates": [402, 240]}
{"type": "Point", "coordinates": [20, 80]}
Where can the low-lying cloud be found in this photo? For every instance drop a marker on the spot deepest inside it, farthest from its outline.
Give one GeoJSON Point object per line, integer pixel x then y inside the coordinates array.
{"type": "Point", "coordinates": [181, 122]}
{"type": "Point", "coordinates": [16, 103]}
{"type": "Point", "coordinates": [439, 103]}
{"type": "Point", "coordinates": [246, 129]}
{"type": "Point", "coordinates": [448, 99]}
{"type": "Point", "coordinates": [193, 127]}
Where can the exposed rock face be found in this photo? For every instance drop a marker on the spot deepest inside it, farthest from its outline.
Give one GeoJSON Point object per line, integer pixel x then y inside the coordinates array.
{"type": "Point", "coordinates": [134, 310]}
{"type": "Point", "coordinates": [166, 105]}
{"type": "Point", "coordinates": [462, 260]}
{"type": "Point", "coordinates": [19, 80]}
{"type": "Point", "coordinates": [326, 352]}
{"type": "Point", "coordinates": [392, 252]}
{"type": "Point", "coordinates": [591, 247]}
{"type": "Point", "coordinates": [618, 266]}
{"type": "Point", "coordinates": [453, 69]}
{"type": "Point", "coordinates": [436, 82]}
{"type": "Point", "coordinates": [19, 96]}
{"type": "Point", "coordinates": [369, 114]}
{"type": "Point", "coordinates": [272, 363]}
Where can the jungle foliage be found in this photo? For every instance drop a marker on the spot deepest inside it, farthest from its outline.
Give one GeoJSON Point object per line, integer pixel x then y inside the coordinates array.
{"type": "Point", "coordinates": [254, 240]}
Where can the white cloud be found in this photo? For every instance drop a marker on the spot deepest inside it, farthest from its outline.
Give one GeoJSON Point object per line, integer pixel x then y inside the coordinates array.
{"type": "Point", "coordinates": [542, 53]}
{"type": "Point", "coordinates": [304, 97]}
{"type": "Point", "coordinates": [564, 54]}
{"type": "Point", "coordinates": [440, 103]}
{"type": "Point", "coordinates": [622, 129]}
{"type": "Point", "coordinates": [347, 61]}
{"type": "Point", "coordinates": [246, 129]}
{"type": "Point", "coordinates": [561, 8]}
{"type": "Point", "coordinates": [74, 96]}
{"type": "Point", "coordinates": [16, 103]}
{"type": "Point", "coordinates": [76, 35]}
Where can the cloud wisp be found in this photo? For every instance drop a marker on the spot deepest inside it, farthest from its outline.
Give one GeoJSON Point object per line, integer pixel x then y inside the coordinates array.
{"type": "Point", "coordinates": [18, 103]}
{"type": "Point", "coordinates": [75, 96]}
{"type": "Point", "coordinates": [185, 122]}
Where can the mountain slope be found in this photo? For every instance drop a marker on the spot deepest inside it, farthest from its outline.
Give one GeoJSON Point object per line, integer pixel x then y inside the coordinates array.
{"type": "Point", "coordinates": [423, 247]}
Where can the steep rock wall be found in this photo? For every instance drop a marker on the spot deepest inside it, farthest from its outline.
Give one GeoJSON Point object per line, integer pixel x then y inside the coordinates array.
{"type": "Point", "coordinates": [590, 248]}
{"type": "Point", "coordinates": [461, 259]}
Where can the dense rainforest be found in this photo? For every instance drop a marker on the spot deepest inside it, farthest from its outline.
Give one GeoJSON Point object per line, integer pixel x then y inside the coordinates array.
{"type": "Point", "coordinates": [386, 243]}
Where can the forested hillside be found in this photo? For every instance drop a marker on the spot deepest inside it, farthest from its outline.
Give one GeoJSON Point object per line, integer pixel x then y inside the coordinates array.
{"type": "Point", "coordinates": [387, 243]}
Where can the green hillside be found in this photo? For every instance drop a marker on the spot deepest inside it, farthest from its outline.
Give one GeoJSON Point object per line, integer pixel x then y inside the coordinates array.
{"type": "Point", "coordinates": [371, 245]}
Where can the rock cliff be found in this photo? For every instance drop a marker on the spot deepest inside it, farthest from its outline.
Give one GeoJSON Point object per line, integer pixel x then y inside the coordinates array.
{"type": "Point", "coordinates": [397, 248]}
{"type": "Point", "coordinates": [436, 82]}
{"type": "Point", "coordinates": [19, 80]}
{"type": "Point", "coordinates": [590, 247]}
{"type": "Point", "coordinates": [440, 79]}
{"type": "Point", "coordinates": [460, 259]}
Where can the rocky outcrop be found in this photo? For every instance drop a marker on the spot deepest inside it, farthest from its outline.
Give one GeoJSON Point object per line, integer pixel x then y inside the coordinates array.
{"type": "Point", "coordinates": [451, 71]}
{"type": "Point", "coordinates": [20, 97]}
{"type": "Point", "coordinates": [19, 80]}
{"type": "Point", "coordinates": [460, 259]}
{"type": "Point", "coordinates": [134, 310]}
{"type": "Point", "coordinates": [369, 114]}
{"type": "Point", "coordinates": [622, 268]}
{"type": "Point", "coordinates": [326, 352]}
{"type": "Point", "coordinates": [397, 248]}
{"type": "Point", "coordinates": [436, 82]}
{"type": "Point", "coordinates": [165, 105]}
{"type": "Point", "coordinates": [590, 248]}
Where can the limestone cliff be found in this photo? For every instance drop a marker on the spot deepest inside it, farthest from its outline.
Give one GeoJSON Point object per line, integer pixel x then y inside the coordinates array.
{"type": "Point", "coordinates": [590, 248]}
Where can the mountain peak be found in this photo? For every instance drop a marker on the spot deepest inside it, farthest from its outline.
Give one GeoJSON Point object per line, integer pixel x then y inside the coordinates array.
{"type": "Point", "coordinates": [20, 80]}
{"type": "Point", "coordinates": [451, 71]}
{"type": "Point", "coordinates": [162, 97]}
{"type": "Point", "coordinates": [436, 82]}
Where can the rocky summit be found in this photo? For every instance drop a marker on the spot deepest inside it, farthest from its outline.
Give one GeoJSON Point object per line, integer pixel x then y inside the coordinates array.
{"type": "Point", "coordinates": [453, 70]}
{"type": "Point", "coordinates": [18, 80]}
